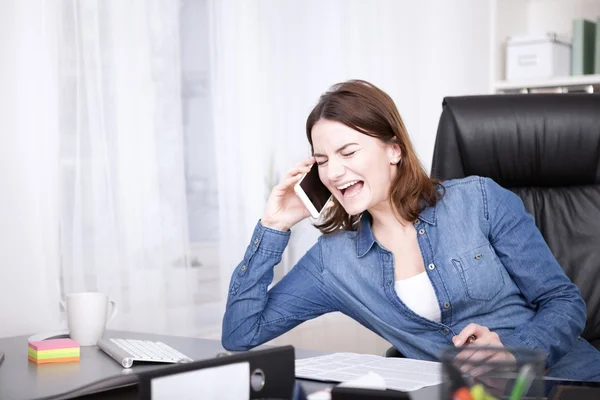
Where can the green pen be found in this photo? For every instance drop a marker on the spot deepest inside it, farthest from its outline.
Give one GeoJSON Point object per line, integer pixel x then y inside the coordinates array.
{"type": "Point", "coordinates": [523, 382]}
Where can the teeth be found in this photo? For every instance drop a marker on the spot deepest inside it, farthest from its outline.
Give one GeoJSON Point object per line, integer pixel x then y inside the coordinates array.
{"type": "Point", "coordinates": [347, 185]}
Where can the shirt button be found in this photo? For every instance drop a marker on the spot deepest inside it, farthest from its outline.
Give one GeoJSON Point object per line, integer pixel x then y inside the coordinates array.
{"type": "Point", "coordinates": [390, 283]}
{"type": "Point", "coordinates": [417, 222]}
{"type": "Point", "coordinates": [256, 241]}
{"type": "Point", "coordinates": [243, 268]}
{"type": "Point", "coordinates": [446, 305]}
{"type": "Point", "coordinates": [421, 231]}
{"type": "Point", "coordinates": [446, 331]}
{"type": "Point", "coordinates": [431, 267]}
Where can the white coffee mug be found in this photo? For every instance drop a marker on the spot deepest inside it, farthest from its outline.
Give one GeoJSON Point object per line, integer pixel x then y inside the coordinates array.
{"type": "Point", "coordinates": [88, 313]}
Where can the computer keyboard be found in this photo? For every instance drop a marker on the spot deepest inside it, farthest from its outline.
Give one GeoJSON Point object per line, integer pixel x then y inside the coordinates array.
{"type": "Point", "coordinates": [127, 351]}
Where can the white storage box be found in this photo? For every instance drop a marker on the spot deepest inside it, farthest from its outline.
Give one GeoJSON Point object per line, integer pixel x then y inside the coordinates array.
{"type": "Point", "coordinates": [537, 56]}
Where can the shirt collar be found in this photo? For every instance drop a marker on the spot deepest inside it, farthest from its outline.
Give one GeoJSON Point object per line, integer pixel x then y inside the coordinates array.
{"type": "Point", "coordinates": [366, 239]}
{"type": "Point", "coordinates": [428, 215]}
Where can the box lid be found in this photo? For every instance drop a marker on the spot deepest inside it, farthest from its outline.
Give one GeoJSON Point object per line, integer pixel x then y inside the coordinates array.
{"type": "Point", "coordinates": [551, 37]}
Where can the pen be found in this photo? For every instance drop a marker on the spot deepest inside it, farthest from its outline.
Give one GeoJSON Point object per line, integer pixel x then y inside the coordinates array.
{"type": "Point", "coordinates": [523, 382]}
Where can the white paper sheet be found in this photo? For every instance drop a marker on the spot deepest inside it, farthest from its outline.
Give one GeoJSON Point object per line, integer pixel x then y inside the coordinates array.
{"type": "Point", "coordinates": [369, 381]}
{"type": "Point", "coordinates": [399, 373]}
{"type": "Point", "coordinates": [226, 382]}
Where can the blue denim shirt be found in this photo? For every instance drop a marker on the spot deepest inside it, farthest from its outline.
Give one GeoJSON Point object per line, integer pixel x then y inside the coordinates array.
{"type": "Point", "coordinates": [485, 257]}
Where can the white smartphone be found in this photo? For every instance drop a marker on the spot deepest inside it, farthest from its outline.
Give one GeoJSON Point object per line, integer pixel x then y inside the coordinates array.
{"type": "Point", "coordinates": [312, 192]}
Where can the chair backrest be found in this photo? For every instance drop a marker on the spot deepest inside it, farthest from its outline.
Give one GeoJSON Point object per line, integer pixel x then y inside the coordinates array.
{"type": "Point", "coordinates": [546, 149]}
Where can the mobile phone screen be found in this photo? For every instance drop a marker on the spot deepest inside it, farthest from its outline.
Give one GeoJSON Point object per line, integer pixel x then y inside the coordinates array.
{"type": "Point", "coordinates": [316, 192]}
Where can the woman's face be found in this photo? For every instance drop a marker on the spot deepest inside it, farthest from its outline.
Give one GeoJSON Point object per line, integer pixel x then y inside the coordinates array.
{"type": "Point", "coordinates": [356, 168]}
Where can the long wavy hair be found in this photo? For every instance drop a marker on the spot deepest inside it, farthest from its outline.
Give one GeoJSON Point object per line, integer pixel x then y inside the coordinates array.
{"type": "Point", "coordinates": [364, 107]}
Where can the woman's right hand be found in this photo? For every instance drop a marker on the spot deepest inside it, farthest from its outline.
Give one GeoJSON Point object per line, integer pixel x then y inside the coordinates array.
{"type": "Point", "coordinates": [284, 207]}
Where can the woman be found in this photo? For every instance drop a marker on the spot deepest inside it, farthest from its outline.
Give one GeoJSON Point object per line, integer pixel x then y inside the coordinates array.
{"type": "Point", "coordinates": [423, 265]}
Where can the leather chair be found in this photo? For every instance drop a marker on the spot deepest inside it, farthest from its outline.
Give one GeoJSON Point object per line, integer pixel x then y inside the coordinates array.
{"type": "Point", "coordinates": [546, 149]}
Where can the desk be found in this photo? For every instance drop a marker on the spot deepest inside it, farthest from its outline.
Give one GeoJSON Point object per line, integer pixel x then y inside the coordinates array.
{"type": "Point", "coordinates": [21, 379]}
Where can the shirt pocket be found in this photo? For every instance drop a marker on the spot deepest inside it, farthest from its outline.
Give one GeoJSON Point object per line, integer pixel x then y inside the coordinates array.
{"type": "Point", "coordinates": [481, 272]}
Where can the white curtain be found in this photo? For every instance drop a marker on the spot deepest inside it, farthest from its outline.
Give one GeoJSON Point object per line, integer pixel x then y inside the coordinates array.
{"type": "Point", "coordinates": [106, 144]}
{"type": "Point", "coordinates": [29, 257]}
{"type": "Point", "coordinates": [123, 226]}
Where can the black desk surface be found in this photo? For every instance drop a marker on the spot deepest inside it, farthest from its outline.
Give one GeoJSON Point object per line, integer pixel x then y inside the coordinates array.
{"type": "Point", "coordinates": [21, 379]}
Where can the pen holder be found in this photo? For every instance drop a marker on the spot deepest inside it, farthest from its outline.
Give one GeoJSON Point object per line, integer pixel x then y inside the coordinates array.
{"type": "Point", "coordinates": [488, 373]}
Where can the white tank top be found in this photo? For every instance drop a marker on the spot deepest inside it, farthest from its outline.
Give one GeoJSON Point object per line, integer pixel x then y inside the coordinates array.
{"type": "Point", "coordinates": [418, 295]}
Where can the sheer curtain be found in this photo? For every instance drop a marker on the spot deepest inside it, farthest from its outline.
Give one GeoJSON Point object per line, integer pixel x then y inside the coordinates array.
{"type": "Point", "coordinates": [123, 225]}
{"type": "Point", "coordinates": [107, 143]}
{"type": "Point", "coordinates": [29, 256]}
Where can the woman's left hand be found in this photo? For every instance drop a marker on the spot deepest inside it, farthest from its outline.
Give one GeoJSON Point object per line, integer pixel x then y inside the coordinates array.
{"type": "Point", "coordinates": [481, 336]}
{"type": "Point", "coordinates": [478, 362]}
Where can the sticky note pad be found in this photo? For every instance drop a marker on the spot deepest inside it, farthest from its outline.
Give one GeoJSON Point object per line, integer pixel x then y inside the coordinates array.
{"type": "Point", "coordinates": [53, 351]}
{"type": "Point", "coordinates": [54, 344]}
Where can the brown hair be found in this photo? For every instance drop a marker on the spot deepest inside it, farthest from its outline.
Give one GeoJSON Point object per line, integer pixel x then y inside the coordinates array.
{"type": "Point", "coordinates": [364, 107]}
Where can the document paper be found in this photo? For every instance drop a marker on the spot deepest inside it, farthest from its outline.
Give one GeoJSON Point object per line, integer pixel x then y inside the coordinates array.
{"type": "Point", "coordinates": [399, 373]}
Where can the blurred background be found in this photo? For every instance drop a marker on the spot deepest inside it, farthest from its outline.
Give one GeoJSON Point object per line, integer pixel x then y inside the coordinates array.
{"type": "Point", "coordinates": [141, 138]}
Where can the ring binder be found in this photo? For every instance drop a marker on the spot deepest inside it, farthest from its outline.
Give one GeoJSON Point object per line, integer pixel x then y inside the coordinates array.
{"type": "Point", "coordinates": [274, 366]}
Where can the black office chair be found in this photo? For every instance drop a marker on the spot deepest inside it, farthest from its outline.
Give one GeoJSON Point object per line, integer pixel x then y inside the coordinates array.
{"type": "Point", "coordinates": [546, 149]}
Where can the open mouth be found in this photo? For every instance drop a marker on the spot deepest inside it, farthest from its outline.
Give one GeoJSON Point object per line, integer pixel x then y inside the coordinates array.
{"type": "Point", "coordinates": [351, 189]}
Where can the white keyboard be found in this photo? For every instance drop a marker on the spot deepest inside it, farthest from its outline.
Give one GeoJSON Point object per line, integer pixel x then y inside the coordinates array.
{"type": "Point", "coordinates": [126, 351]}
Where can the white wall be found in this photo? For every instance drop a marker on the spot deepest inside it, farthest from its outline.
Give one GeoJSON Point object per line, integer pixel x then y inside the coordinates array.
{"type": "Point", "coordinates": [557, 15]}
{"type": "Point", "coordinates": [28, 183]}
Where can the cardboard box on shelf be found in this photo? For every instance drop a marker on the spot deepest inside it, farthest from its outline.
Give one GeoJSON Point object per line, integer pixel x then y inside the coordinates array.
{"type": "Point", "coordinates": [537, 57]}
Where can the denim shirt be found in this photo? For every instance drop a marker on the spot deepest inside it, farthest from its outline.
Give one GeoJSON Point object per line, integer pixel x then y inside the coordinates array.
{"type": "Point", "coordinates": [485, 257]}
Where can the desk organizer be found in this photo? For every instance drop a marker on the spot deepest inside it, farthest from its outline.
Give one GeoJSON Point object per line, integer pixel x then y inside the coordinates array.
{"type": "Point", "coordinates": [487, 373]}
{"type": "Point", "coordinates": [53, 351]}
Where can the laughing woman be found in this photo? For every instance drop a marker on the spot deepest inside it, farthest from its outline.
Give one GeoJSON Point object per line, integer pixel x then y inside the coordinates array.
{"type": "Point", "coordinates": [424, 264]}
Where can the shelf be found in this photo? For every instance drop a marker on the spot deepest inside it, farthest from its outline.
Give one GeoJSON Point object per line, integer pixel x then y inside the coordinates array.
{"type": "Point", "coordinates": [566, 84]}
{"type": "Point", "coordinates": [509, 18]}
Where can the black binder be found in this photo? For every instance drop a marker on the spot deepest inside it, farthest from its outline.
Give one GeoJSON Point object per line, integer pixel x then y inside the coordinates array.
{"type": "Point", "coordinates": [346, 393]}
{"type": "Point", "coordinates": [274, 367]}
{"type": "Point", "coordinates": [571, 390]}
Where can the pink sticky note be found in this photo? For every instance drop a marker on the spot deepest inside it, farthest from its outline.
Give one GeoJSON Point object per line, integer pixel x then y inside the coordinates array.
{"type": "Point", "coordinates": [53, 344]}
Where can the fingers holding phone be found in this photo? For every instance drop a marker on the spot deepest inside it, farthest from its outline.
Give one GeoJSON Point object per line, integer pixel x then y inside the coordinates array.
{"type": "Point", "coordinates": [294, 175]}
{"type": "Point", "coordinates": [284, 207]}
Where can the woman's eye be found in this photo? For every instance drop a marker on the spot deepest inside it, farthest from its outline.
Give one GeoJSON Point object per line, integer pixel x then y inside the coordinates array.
{"type": "Point", "coordinates": [349, 154]}
{"type": "Point", "coordinates": [321, 162]}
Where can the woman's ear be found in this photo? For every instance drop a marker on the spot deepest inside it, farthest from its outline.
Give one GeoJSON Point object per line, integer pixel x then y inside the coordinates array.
{"type": "Point", "coordinates": [394, 153]}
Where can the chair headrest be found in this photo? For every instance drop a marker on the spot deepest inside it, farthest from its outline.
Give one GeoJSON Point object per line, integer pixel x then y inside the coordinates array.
{"type": "Point", "coordinates": [520, 140]}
